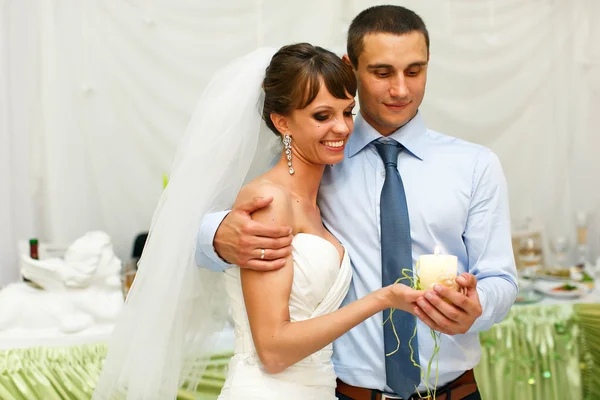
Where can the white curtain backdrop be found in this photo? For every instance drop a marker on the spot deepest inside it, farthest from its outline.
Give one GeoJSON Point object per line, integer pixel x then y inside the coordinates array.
{"type": "Point", "coordinates": [19, 114]}
{"type": "Point", "coordinates": [117, 80]}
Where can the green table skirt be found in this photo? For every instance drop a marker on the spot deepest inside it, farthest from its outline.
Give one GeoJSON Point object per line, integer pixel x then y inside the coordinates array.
{"type": "Point", "coordinates": [538, 352]}
{"type": "Point", "coordinates": [542, 352]}
{"type": "Point", "coordinates": [72, 372]}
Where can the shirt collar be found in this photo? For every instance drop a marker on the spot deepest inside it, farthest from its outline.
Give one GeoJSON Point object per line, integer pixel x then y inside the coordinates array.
{"type": "Point", "coordinates": [411, 136]}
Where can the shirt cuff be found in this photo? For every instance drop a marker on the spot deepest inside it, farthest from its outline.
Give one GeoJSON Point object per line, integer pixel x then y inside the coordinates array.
{"type": "Point", "coordinates": [206, 256]}
{"type": "Point", "coordinates": [496, 296]}
{"type": "Point", "coordinates": [485, 320]}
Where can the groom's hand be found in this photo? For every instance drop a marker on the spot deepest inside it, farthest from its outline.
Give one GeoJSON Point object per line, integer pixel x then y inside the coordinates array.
{"type": "Point", "coordinates": [456, 315]}
{"type": "Point", "coordinates": [239, 240]}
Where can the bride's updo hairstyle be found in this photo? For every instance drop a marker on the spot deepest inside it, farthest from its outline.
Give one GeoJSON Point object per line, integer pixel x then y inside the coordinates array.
{"type": "Point", "coordinates": [295, 75]}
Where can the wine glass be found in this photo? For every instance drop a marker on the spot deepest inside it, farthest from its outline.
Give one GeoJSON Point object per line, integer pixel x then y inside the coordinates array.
{"type": "Point", "coordinates": [530, 262]}
{"type": "Point", "coordinates": [560, 247]}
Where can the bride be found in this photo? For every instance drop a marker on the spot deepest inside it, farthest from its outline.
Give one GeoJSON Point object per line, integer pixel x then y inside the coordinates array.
{"type": "Point", "coordinates": [285, 320]}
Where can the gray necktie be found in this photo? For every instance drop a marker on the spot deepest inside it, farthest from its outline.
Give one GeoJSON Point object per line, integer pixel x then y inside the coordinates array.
{"type": "Point", "coordinates": [396, 253]}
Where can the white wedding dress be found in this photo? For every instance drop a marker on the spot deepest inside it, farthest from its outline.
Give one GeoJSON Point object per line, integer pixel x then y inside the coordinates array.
{"type": "Point", "coordinates": [320, 284]}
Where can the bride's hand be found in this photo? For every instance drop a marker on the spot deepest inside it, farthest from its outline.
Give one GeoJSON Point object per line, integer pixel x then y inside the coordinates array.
{"type": "Point", "coordinates": [403, 297]}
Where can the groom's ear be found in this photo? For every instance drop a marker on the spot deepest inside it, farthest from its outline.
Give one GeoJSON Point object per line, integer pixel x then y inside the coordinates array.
{"type": "Point", "coordinates": [346, 59]}
{"type": "Point", "coordinates": [280, 122]}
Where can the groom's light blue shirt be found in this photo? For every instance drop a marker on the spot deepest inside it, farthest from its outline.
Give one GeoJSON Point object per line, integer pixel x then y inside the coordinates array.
{"type": "Point", "coordinates": [457, 200]}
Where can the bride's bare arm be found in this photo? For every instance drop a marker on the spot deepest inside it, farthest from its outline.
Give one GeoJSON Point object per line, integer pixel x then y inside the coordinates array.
{"type": "Point", "coordinates": [281, 343]}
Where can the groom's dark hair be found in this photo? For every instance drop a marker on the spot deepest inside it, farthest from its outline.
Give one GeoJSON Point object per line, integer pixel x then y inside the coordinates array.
{"type": "Point", "coordinates": [396, 20]}
{"type": "Point", "coordinates": [295, 76]}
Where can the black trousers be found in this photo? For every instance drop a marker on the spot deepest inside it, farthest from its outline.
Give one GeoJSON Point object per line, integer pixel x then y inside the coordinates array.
{"type": "Point", "coordinates": [473, 396]}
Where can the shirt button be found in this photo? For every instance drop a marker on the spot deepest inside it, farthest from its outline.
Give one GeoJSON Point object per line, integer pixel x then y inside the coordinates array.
{"type": "Point", "coordinates": [383, 174]}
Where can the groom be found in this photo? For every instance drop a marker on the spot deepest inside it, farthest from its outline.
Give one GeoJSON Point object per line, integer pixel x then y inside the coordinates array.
{"type": "Point", "coordinates": [390, 206]}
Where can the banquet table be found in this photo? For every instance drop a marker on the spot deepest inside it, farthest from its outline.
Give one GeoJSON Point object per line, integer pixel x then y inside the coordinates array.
{"type": "Point", "coordinates": [549, 350]}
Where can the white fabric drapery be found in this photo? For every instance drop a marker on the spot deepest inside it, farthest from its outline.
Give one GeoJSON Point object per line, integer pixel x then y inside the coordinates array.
{"type": "Point", "coordinates": [118, 80]}
{"type": "Point", "coordinates": [19, 108]}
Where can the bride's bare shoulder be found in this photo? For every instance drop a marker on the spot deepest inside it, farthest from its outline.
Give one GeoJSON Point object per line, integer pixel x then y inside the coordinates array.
{"type": "Point", "coordinates": [278, 212]}
{"type": "Point", "coordinates": [265, 188]}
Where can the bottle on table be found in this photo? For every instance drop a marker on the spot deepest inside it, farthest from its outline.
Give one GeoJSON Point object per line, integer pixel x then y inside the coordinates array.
{"type": "Point", "coordinates": [34, 254]}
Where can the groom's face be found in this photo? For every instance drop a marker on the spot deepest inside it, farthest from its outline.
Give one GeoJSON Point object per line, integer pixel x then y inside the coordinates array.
{"type": "Point", "coordinates": [391, 74]}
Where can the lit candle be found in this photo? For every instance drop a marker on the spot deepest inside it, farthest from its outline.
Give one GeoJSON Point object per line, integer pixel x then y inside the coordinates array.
{"type": "Point", "coordinates": [437, 268]}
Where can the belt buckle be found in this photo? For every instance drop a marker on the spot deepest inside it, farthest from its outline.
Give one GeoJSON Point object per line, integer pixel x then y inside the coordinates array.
{"type": "Point", "coordinates": [390, 397]}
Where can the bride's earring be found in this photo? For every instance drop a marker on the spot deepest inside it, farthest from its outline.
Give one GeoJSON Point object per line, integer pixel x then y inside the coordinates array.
{"type": "Point", "coordinates": [287, 145]}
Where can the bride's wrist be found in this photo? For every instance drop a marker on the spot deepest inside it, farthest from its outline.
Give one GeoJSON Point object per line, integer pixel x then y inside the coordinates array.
{"type": "Point", "coordinates": [384, 297]}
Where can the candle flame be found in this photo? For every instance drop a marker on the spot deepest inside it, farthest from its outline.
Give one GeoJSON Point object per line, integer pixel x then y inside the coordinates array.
{"type": "Point", "coordinates": [437, 250]}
